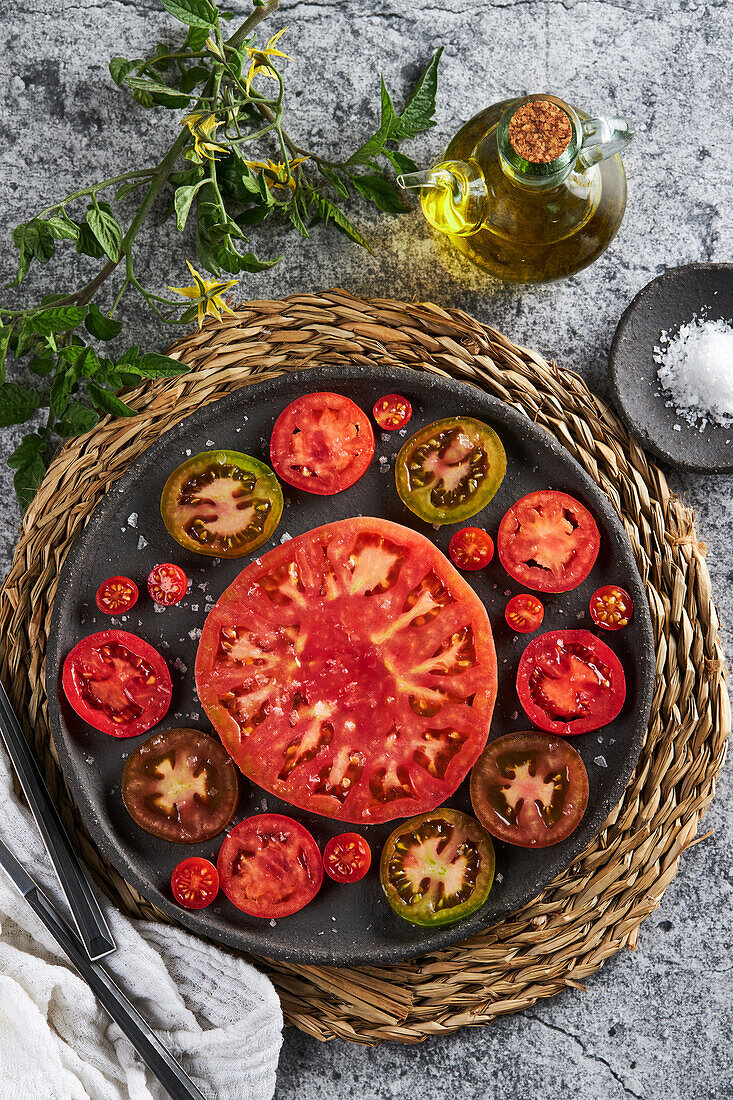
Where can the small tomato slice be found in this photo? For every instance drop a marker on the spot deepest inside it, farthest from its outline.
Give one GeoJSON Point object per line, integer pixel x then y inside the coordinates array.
{"type": "Point", "coordinates": [181, 785]}
{"type": "Point", "coordinates": [167, 584]}
{"type": "Point", "coordinates": [392, 412]}
{"type": "Point", "coordinates": [195, 883]}
{"type": "Point", "coordinates": [570, 682]}
{"type": "Point", "coordinates": [450, 470]}
{"type": "Point", "coordinates": [221, 503]}
{"type": "Point", "coordinates": [524, 613]}
{"type": "Point", "coordinates": [322, 443]}
{"type": "Point", "coordinates": [548, 541]}
{"type": "Point", "coordinates": [471, 548]}
{"type": "Point", "coordinates": [611, 607]}
{"type": "Point", "coordinates": [116, 595]}
{"type": "Point", "coordinates": [270, 866]}
{"type": "Point", "coordinates": [117, 682]}
{"type": "Point", "coordinates": [347, 857]}
{"type": "Point", "coordinates": [529, 789]}
{"type": "Point", "coordinates": [437, 868]}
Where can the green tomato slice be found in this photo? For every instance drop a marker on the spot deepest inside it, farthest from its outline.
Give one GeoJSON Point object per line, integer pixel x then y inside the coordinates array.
{"type": "Point", "coordinates": [437, 868]}
{"type": "Point", "coordinates": [221, 503]}
{"type": "Point", "coordinates": [450, 470]}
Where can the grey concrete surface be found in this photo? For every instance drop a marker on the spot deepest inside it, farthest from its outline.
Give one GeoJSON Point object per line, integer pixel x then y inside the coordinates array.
{"type": "Point", "coordinates": [654, 1024]}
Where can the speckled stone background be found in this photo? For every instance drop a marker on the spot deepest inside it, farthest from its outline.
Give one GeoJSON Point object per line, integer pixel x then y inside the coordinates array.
{"type": "Point", "coordinates": [654, 1024]}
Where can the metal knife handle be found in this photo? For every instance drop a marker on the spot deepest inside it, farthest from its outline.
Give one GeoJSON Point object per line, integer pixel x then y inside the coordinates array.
{"type": "Point", "coordinates": [90, 922]}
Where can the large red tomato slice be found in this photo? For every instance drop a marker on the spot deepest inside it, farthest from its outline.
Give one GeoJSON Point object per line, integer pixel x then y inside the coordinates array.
{"type": "Point", "coordinates": [322, 442]}
{"type": "Point", "coordinates": [351, 671]}
{"type": "Point", "coordinates": [548, 541]}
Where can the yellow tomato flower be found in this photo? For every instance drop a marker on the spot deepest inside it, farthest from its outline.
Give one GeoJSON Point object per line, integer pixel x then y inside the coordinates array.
{"type": "Point", "coordinates": [207, 293]}
{"type": "Point", "coordinates": [259, 58]}
{"type": "Point", "coordinates": [203, 128]}
{"type": "Point", "coordinates": [276, 174]}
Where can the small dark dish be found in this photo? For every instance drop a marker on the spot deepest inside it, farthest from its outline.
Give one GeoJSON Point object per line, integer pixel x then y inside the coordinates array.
{"type": "Point", "coordinates": [665, 304]}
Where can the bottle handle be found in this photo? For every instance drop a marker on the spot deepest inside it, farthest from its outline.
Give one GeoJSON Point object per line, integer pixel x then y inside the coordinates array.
{"type": "Point", "coordinates": [602, 138]}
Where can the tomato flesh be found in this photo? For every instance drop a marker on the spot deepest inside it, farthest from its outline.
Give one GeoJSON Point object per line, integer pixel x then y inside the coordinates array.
{"type": "Point", "coordinates": [548, 541]}
{"type": "Point", "coordinates": [167, 584]}
{"type": "Point", "coordinates": [611, 607]}
{"type": "Point", "coordinates": [270, 866]}
{"type": "Point", "coordinates": [471, 548]}
{"type": "Point", "coordinates": [116, 595]}
{"type": "Point", "coordinates": [529, 789]}
{"type": "Point", "coordinates": [392, 412]}
{"type": "Point", "coordinates": [117, 682]}
{"type": "Point", "coordinates": [322, 443]}
{"type": "Point", "coordinates": [181, 786]}
{"type": "Point", "coordinates": [195, 882]}
{"type": "Point", "coordinates": [221, 503]}
{"type": "Point", "coordinates": [570, 682]}
{"type": "Point", "coordinates": [351, 671]}
{"type": "Point", "coordinates": [347, 857]}
{"type": "Point", "coordinates": [524, 613]}
{"type": "Point", "coordinates": [437, 868]}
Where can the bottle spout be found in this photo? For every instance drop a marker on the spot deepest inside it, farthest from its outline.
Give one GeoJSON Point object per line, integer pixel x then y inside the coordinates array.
{"type": "Point", "coordinates": [453, 195]}
{"type": "Point", "coordinates": [426, 180]}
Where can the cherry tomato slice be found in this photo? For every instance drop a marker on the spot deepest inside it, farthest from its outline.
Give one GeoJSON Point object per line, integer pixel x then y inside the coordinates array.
{"type": "Point", "coordinates": [347, 857]}
{"type": "Point", "coordinates": [195, 882]}
{"type": "Point", "coordinates": [529, 789]}
{"type": "Point", "coordinates": [270, 866]}
{"type": "Point", "coordinates": [471, 548]}
{"type": "Point", "coordinates": [167, 584]}
{"type": "Point", "coordinates": [117, 682]}
{"type": "Point", "coordinates": [392, 412]}
{"type": "Point", "coordinates": [116, 595]}
{"type": "Point", "coordinates": [524, 613]}
{"type": "Point", "coordinates": [322, 443]}
{"type": "Point", "coordinates": [611, 607]}
{"type": "Point", "coordinates": [548, 541]}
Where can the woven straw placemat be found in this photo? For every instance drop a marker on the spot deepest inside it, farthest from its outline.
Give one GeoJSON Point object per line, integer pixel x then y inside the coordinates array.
{"type": "Point", "coordinates": [595, 907]}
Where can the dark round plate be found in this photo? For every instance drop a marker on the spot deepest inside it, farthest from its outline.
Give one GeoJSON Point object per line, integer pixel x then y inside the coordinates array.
{"type": "Point", "coordinates": [666, 304]}
{"type": "Point", "coordinates": [344, 925]}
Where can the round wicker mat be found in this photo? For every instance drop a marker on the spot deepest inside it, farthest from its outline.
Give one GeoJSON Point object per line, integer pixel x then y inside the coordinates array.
{"type": "Point", "coordinates": [596, 906]}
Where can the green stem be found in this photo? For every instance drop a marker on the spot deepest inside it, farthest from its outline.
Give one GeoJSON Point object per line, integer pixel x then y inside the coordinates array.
{"type": "Point", "coordinates": [249, 24]}
{"type": "Point", "coordinates": [94, 187]}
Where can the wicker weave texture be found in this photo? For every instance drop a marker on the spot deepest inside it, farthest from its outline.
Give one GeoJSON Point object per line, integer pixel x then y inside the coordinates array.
{"type": "Point", "coordinates": [594, 908]}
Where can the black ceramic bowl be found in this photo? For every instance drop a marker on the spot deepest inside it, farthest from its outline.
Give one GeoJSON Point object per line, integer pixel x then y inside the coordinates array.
{"type": "Point", "coordinates": [344, 925]}
{"type": "Point", "coordinates": [666, 304]}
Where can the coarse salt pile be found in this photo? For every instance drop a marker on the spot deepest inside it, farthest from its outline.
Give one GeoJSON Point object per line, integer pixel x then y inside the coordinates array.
{"type": "Point", "coordinates": [696, 372]}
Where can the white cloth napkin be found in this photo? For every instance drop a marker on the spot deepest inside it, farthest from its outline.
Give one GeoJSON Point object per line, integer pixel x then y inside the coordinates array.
{"type": "Point", "coordinates": [215, 1012]}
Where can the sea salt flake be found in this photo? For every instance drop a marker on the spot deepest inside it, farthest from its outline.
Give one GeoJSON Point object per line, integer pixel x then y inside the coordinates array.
{"type": "Point", "coordinates": [195, 633]}
{"type": "Point", "coordinates": [695, 369]}
{"type": "Point", "coordinates": [499, 877]}
{"type": "Point", "coordinates": [194, 607]}
{"type": "Point", "coordinates": [142, 543]}
{"type": "Point", "coordinates": [600, 761]}
{"type": "Point", "coordinates": [210, 443]}
{"type": "Point", "coordinates": [158, 610]}
{"type": "Point", "coordinates": [273, 923]}
{"type": "Point", "coordinates": [132, 519]}
{"type": "Point", "coordinates": [180, 666]}
{"type": "Point", "coordinates": [285, 537]}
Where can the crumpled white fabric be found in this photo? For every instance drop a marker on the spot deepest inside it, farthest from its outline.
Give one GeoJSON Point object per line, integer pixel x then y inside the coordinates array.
{"type": "Point", "coordinates": [214, 1011]}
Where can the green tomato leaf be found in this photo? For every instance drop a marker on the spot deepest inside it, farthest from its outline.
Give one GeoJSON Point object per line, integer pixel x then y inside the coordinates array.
{"type": "Point", "coordinates": [156, 91]}
{"type": "Point", "coordinates": [6, 331]}
{"type": "Point", "coordinates": [400, 161]}
{"type": "Point", "coordinates": [323, 210]}
{"type": "Point", "coordinates": [60, 394]}
{"type": "Point", "coordinates": [107, 402]}
{"type": "Point", "coordinates": [195, 13]}
{"type": "Point", "coordinates": [79, 419]}
{"type": "Point", "coordinates": [98, 324]}
{"type": "Point", "coordinates": [375, 145]}
{"type": "Point", "coordinates": [61, 319]}
{"type": "Point", "coordinates": [182, 200]}
{"type": "Point", "coordinates": [196, 38]}
{"type": "Point", "coordinates": [17, 403]}
{"type": "Point", "coordinates": [191, 78]}
{"type": "Point", "coordinates": [128, 188]}
{"type": "Point", "coordinates": [338, 184]}
{"type": "Point", "coordinates": [63, 228]}
{"type": "Point", "coordinates": [29, 460]}
{"type": "Point", "coordinates": [41, 365]}
{"type": "Point", "coordinates": [87, 244]}
{"type": "Point", "coordinates": [119, 67]}
{"type": "Point", "coordinates": [35, 241]}
{"type": "Point", "coordinates": [381, 192]}
{"type": "Point", "coordinates": [106, 230]}
{"type": "Point", "coordinates": [153, 365]}
{"type": "Point", "coordinates": [418, 112]}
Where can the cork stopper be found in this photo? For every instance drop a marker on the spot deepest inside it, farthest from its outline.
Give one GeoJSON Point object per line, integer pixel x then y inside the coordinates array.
{"type": "Point", "coordinates": [540, 131]}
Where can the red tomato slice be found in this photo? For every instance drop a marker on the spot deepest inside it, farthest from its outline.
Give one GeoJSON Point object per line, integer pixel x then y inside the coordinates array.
{"type": "Point", "coordinates": [548, 541]}
{"type": "Point", "coordinates": [116, 595]}
{"type": "Point", "coordinates": [322, 443]}
{"type": "Point", "coordinates": [167, 584]}
{"type": "Point", "coordinates": [569, 682]}
{"type": "Point", "coordinates": [529, 789]}
{"type": "Point", "coordinates": [195, 882]}
{"type": "Point", "coordinates": [524, 613]}
{"type": "Point", "coordinates": [471, 548]}
{"type": "Point", "coordinates": [611, 607]}
{"type": "Point", "coordinates": [117, 682]}
{"type": "Point", "coordinates": [347, 857]}
{"type": "Point", "coordinates": [270, 866]}
{"type": "Point", "coordinates": [392, 412]}
{"type": "Point", "coordinates": [351, 671]}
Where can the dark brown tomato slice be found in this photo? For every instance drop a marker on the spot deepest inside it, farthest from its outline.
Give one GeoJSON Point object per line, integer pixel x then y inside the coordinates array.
{"type": "Point", "coordinates": [450, 470]}
{"type": "Point", "coordinates": [181, 785]}
{"type": "Point", "coordinates": [322, 442]}
{"type": "Point", "coordinates": [270, 866]}
{"type": "Point", "coordinates": [570, 682]}
{"type": "Point", "coordinates": [117, 682]}
{"type": "Point", "coordinates": [529, 789]}
{"type": "Point", "coordinates": [195, 882]}
{"type": "Point", "coordinates": [351, 671]}
{"type": "Point", "coordinates": [548, 541]}
{"type": "Point", "coordinates": [221, 503]}
{"type": "Point", "coordinates": [437, 868]}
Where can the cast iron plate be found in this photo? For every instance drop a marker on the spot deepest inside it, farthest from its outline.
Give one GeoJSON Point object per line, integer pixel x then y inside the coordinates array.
{"type": "Point", "coordinates": [344, 925]}
{"type": "Point", "coordinates": [666, 304]}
